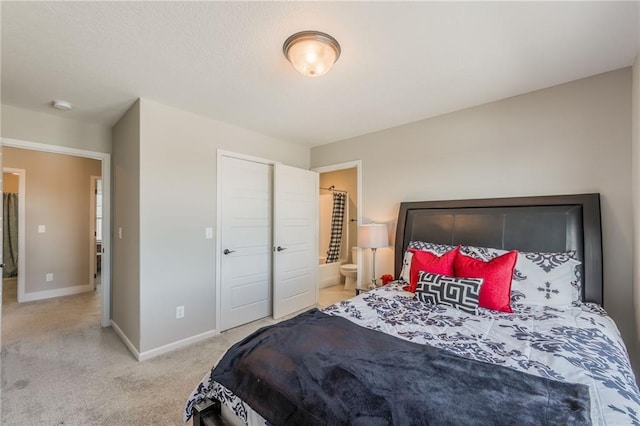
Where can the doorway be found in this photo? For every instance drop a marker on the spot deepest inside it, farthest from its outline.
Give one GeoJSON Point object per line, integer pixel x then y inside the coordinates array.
{"type": "Point", "coordinates": [104, 168]}
{"type": "Point", "coordinates": [339, 183]}
{"type": "Point", "coordinates": [13, 220]}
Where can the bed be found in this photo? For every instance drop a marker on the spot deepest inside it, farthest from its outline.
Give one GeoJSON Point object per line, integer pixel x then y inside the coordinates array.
{"type": "Point", "coordinates": [570, 344]}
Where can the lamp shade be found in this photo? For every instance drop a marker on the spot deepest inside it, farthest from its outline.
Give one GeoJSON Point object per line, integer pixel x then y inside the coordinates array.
{"type": "Point", "coordinates": [374, 235]}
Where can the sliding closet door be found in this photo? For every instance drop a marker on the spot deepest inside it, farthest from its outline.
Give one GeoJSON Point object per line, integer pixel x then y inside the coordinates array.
{"type": "Point", "coordinates": [295, 236]}
{"type": "Point", "coordinates": [245, 236]}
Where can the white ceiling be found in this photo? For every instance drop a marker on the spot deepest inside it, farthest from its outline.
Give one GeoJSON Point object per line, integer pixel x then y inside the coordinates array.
{"type": "Point", "coordinates": [400, 62]}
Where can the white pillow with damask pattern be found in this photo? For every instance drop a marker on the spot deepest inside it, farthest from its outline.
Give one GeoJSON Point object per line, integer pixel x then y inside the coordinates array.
{"type": "Point", "coordinates": [551, 279]}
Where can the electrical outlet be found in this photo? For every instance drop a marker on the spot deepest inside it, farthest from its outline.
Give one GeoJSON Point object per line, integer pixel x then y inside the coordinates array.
{"type": "Point", "coordinates": [179, 312]}
{"type": "Point", "coordinates": [48, 277]}
{"type": "Point", "coordinates": [41, 229]}
{"type": "Point", "coordinates": [208, 233]}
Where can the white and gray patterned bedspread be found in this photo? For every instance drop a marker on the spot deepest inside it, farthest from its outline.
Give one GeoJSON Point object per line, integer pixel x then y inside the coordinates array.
{"type": "Point", "coordinates": [579, 344]}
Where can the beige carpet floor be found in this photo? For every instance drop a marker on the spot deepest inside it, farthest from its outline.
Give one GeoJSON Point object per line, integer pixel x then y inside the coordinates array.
{"type": "Point", "coordinates": [330, 295]}
{"type": "Point", "coordinates": [59, 367]}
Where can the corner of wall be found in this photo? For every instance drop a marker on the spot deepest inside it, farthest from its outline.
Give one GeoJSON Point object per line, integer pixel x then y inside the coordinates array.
{"type": "Point", "coordinates": [126, 225]}
{"type": "Point", "coordinates": [635, 197]}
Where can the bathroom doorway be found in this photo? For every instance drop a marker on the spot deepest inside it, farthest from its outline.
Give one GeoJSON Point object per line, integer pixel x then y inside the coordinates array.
{"type": "Point", "coordinates": [340, 194]}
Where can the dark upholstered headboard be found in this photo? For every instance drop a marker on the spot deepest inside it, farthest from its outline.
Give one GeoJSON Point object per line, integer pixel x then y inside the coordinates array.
{"type": "Point", "coordinates": [545, 224]}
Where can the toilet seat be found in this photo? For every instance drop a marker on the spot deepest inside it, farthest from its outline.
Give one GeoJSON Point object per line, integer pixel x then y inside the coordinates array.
{"type": "Point", "coordinates": [349, 267]}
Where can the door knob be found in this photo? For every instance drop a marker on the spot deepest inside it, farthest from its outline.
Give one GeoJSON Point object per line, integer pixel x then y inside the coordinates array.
{"type": "Point", "coordinates": [280, 248]}
{"type": "Point", "coordinates": [227, 251]}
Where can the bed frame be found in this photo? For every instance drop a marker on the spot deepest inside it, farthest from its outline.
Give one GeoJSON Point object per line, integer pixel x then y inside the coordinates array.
{"type": "Point", "coordinates": [545, 224]}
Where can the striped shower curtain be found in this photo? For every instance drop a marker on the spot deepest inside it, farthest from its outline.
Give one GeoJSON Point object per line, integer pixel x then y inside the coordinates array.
{"type": "Point", "coordinates": [333, 254]}
{"type": "Point", "coordinates": [10, 234]}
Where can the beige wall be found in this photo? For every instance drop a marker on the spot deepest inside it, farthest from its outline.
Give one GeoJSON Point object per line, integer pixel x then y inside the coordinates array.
{"type": "Point", "coordinates": [51, 129]}
{"type": "Point", "coordinates": [573, 138]}
{"type": "Point", "coordinates": [125, 264]}
{"type": "Point", "coordinates": [57, 196]}
{"type": "Point", "coordinates": [345, 180]}
{"type": "Point", "coordinates": [10, 182]}
{"type": "Point", "coordinates": [177, 201]}
{"type": "Point", "coordinates": [635, 158]}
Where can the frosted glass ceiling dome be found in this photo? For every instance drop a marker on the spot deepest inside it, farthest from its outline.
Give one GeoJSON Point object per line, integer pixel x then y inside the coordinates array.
{"type": "Point", "coordinates": [312, 53]}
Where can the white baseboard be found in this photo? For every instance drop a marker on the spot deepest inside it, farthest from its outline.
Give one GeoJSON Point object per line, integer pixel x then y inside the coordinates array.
{"type": "Point", "coordinates": [126, 340]}
{"type": "Point", "coordinates": [143, 356]}
{"type": "Point", "coordinates": [176, 345]}
{"type": "Point", "coordinates": [48, 294]}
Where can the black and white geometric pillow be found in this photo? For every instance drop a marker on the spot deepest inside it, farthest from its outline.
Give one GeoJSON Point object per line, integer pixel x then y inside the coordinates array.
{"type": "Point", "coordinates": [434, 248]}
{"type": "Point", "coordinates": [459, 293]}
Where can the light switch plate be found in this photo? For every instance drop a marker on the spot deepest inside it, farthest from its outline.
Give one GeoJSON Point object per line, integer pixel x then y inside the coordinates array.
{"type": "Point", "coordinates": [208, 233]}
{"type": "Point", "coordinates": [41, 229]}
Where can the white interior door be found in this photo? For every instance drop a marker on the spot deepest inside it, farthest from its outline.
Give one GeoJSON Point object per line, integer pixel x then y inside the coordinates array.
{"type": "Point", "coordinates": [295, 256]}
{"type": "Point", "coordinates": [246, 223]}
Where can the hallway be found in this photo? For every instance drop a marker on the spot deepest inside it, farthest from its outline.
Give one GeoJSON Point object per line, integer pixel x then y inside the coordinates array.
{"type": "Point", "coordinates": [27, 320]}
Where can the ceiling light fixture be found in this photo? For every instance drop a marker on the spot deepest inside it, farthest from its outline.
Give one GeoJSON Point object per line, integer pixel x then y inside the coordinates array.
{"type": "Point", "coordinates": [62, 105]}
{"type": "Point", "coordinates": [312, 53]}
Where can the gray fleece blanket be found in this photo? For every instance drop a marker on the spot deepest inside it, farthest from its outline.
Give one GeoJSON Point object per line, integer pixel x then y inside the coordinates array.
{"type": "Point", "coordinates": [317, 369]}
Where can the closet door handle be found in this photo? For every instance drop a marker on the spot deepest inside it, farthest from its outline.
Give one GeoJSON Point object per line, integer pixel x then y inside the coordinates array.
{"type": "Point", "coordinates": [227, 251]}
{"type": "Point", "coordinates": [280, 248]}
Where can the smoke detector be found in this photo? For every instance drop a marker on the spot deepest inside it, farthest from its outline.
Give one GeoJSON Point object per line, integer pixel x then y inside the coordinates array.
{"type": "Point", "coordinates": [62, 105]}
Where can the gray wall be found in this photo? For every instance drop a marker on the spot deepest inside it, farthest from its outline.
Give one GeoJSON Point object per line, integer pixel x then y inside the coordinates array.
{"type": "Point", "coordinates": [125, 264]}
{"type": "Point", "coordinates": [177, 201]}
{"type": "Point", "coordinates": [573, 138]}
{"type": "Point", "coordinates": [57, 196]}
{"type": "Point", "coordinates": [18, 123]}
{"type": "Point", "coordinates": [636, 191]}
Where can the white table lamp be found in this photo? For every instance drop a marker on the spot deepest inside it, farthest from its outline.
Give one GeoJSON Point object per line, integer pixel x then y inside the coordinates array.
{"type": "Point", "coordinates": [373, 236]}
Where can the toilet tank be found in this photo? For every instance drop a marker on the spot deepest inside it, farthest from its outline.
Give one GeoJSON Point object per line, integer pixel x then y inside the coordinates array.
{"type": "Point", "coordinates": [354, 255]}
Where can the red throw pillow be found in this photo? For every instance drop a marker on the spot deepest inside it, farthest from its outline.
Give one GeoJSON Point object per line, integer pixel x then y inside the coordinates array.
{"type": "Point", "coordinates": [495, 292]}
{"type": "Point", "coordinates": [429, 262]}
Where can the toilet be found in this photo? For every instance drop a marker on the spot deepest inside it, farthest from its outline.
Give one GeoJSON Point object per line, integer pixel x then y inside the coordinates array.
{"type": "Point", "coordinates": [350, 271]}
